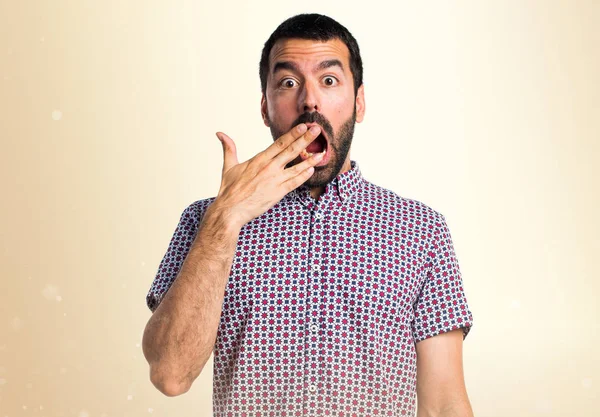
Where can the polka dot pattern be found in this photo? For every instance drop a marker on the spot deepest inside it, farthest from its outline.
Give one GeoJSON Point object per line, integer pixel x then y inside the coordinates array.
{"type": "Point", "coordinates": [326, 300]}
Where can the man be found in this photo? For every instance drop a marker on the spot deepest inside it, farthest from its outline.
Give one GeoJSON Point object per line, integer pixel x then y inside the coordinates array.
{"type": "Point", "coordinates": [319, 292]}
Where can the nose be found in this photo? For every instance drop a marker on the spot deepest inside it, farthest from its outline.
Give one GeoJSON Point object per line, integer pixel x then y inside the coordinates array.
{"type": "Point", "coordinates": [309, 98]}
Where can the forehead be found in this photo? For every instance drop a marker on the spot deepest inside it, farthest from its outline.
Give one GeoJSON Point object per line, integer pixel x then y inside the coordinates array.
{"type": "Point", "coordinates": [308, 50]}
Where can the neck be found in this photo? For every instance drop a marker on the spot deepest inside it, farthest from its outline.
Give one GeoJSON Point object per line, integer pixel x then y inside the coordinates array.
{"type": "Point", "coordinates": [316, 192]}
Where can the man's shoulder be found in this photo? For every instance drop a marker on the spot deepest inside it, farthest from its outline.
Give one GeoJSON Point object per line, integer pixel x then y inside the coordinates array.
{"type": "Point", "coordinates": [197, 208]}
{"type": "Point", "coordinates": [398, 203]}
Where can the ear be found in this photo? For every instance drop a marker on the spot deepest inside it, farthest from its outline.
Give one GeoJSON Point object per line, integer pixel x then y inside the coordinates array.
{"type": "Point", "coordinates": [263, 110]}
{"type": "Point", "coordinates": [360, 103]}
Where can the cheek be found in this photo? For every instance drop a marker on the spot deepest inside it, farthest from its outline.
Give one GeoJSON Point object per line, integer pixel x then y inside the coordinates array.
{"type": "Point", "coordinates": [281, 105]}
{"type": "Point", "coordinates": [339, 117]}
{"type": "Point", "coordinates": [281, 113]}
{"type": "Point", "coordinates": [341, 107]}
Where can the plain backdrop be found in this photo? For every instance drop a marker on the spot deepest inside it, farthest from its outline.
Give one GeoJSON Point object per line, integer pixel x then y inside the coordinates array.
{"type": "Point", "coordinates": [487, 111]}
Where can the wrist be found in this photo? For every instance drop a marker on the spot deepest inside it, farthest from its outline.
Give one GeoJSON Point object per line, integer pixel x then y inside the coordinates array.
{"type": "Point", "coordinates": [222, 217]}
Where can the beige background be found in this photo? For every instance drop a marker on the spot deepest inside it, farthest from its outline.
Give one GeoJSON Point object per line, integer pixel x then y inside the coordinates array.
{"type": "Point", "coordinates": [489, 112]}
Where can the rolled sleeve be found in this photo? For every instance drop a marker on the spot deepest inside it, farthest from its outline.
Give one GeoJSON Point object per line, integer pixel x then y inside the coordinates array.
{"type": "Point", "coordinates": [178, 248]}
{"type": "Point", "coordinates": [441, 305]}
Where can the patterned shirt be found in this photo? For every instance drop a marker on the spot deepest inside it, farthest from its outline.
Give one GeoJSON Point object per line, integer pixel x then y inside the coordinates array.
{"type": "Point", "coordinates": [326, 300]}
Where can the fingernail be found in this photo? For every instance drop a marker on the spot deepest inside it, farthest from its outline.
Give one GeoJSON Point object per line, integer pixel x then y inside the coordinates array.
{"type": "Point", "coordinates": [301, 128]}
{"type": "Point", "coordinates": [314, 130]}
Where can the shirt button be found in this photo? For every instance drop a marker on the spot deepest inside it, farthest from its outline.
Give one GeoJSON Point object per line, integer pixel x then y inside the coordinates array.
{"type": "Point", "coordinates": [312, 388]}
{"type": "Point", "coordinates": [315, 268]}
{"type": "Point", "coordinates": [314, 328]}
{"type": "Point", "coordinates": [319, 215]}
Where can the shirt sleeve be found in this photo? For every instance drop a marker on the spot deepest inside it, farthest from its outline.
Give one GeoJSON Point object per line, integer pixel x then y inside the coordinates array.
{"type": "Point", "coordinates": [178, 248]}
{"type": "Point", "coordinates": [441, 305]}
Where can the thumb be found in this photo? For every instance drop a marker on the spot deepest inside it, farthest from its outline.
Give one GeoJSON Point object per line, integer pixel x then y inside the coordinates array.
{"type": "Point", "coordinates": [229, 151]}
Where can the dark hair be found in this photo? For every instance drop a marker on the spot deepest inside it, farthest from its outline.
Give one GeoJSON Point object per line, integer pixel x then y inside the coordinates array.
{"type": "Point", "coordinates": [313, 27]}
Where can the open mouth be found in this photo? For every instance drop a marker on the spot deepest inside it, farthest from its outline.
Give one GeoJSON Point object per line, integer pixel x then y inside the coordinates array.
{"type": "Point", "coordinates": [317, 145]}
{"type": "Point", "coordinates": [320, 144]}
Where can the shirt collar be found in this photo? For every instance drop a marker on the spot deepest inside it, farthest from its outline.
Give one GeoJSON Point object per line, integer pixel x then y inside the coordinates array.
{"type": "Point", "coordinates": [341, 187]}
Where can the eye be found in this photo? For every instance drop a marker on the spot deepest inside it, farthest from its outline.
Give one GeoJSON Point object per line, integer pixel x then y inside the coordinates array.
{"type": "Point", "coordinates": [332, 83]}
{"type": "Point", "coordinates": [285, 83]}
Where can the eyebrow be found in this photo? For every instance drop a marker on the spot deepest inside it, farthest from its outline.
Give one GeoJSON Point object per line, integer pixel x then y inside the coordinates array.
{"type": "Point", "coordinates": [291, 66]}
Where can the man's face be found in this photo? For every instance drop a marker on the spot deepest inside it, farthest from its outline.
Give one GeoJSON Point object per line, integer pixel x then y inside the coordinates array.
{"type": "Point", "coordinates": [299, 91]}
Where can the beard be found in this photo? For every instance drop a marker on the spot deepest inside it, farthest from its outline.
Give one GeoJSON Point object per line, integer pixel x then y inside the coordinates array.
{"type": "Point", "coordinates": [340, 146]}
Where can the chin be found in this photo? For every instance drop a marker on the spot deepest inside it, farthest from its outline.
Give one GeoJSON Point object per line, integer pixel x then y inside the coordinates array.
{"type": "Point", "coordinates": [321, 177]}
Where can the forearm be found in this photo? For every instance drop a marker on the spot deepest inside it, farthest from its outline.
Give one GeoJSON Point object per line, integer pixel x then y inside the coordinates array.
{"type": "Point", "coordinates": [180, 336]}
{"type": "Point", "coordinates": [460, 408]}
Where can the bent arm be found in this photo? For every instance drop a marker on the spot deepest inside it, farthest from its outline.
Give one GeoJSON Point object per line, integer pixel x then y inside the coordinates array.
{"type": "Point", "coordinates": [181, 333]}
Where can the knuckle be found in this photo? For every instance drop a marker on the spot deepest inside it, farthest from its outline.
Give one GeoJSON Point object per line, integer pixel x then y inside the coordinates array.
{"type": "Point", "coordinates": [280, 143]}
{"type": "Point", "coordinates": [271, 169]}
{"type": "Point", "coordinates": [291, 185]}
{"type": "Point", "coordinates": [250, 171]}
{"type": "Point", "coordinates": [297, 169]}
{"type": "Point", "coordinates": [254, 163]}
{"type": "Point", "coordinates": [297, 147]}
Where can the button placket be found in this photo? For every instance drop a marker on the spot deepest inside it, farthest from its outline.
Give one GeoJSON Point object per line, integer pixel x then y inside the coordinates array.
{"type": "Point", "coordinates": [314, 269]}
